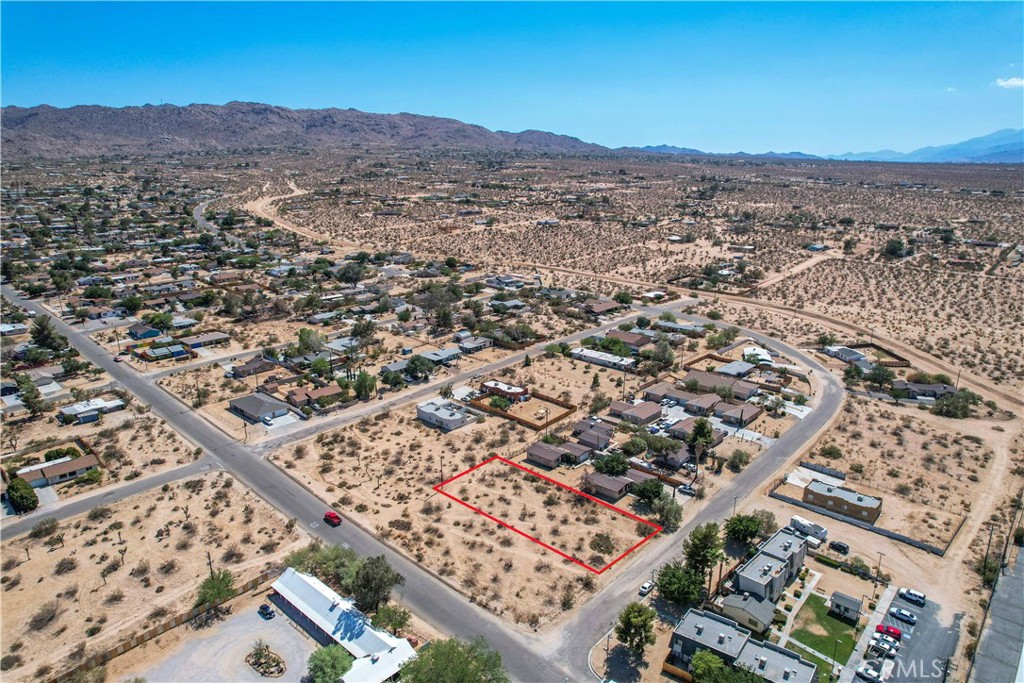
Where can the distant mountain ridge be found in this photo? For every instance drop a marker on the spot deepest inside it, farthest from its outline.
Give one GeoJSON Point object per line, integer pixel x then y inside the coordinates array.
{"type": "Point", "coordinates": [1003, 146]}
{"type": "Point", "coordinates": [90, 130]}
{"type": "Point", "coordinates": [46, 131]}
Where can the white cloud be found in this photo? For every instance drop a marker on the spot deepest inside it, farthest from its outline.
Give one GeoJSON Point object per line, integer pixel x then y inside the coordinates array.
{"type": "Point", "coordinates": [950, 89]}
{"type": "Point", "coordinates": [1014, 82]}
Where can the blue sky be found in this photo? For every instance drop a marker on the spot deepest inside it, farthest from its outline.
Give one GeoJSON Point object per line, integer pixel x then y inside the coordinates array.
{"type": "Point", "coordinates": [815, 77]}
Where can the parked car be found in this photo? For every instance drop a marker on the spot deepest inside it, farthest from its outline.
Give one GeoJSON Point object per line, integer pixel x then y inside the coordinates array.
{"type": "Point", "coordinates": [267, 420]}
{"type": "Point", "coordinates": [903, 615]}
{"type": "Point", "coordinates": [886, 639]}
{"type": "Point", "coordinates": [911, 595]}
{"type": "Point", "coordinates": [839, 547]}
{"type": "Point", "coordinates": [881, 648]}
{"type": "Point", "coordinates": [647, 587]}
{"type": "Point", "coordinates": [890, 631]}
{"type": "Point", "coordinates": [332, 518]}
{"type": "Point", "coordinates": [867, 673]}
{"type": "Point", "coordinates": [687, 489]}
{"type": "Point", "coordinates": [118, 359]}
{"type": "Point", "coordinates": [267, 612]}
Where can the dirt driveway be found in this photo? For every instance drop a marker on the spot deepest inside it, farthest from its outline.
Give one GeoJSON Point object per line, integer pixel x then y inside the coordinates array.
{"type": "Point", "coordinates": [218, 654]}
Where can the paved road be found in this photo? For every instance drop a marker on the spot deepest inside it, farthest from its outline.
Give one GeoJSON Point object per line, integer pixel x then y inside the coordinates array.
{"type": "Point", "coordinates": [554, 656]}
{"type": "Point", "coordinates": [1001, 655]}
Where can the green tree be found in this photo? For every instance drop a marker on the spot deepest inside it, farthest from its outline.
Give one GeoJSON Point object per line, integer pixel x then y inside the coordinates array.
{"type": "Point", "coordinates": [648, 491]}
{"type": "Point", "coordinates": [30, 396]}
{"type": "Point", "coordinates": [635, 629]}
{"type": "Point", "coordinates": [419, 367]}
{"type": "Point", "coordinates": [613, 464]}
{"type": "Point", "coordinates": [669, 513]}
{"type": "Point", "coordinates": [500, 402]}
{"type": "Point", "coordinates": [333, 564]}
{"type": "Point", "coordinates": [663, 354]}
{"type": "Point", "coordinates": [22, 496]}
{"type": "Point", "coordinates": [852, 375]}
{"type": "Point", "coordinates": [880, 376]}
{"type": "Point", "coordinates": [705, 664]}
{"type": "Point", "coordinates": [703, 548]}
{"type": "Point", "coordinates": [443, 318]}
{"type": "Point", "coordinates": [679, 584]}
{"type": "Point", "coordinates": [702, 436]}
{"type": "Point", "coordinates": [321, 367]}
{"type": "Point", "coordinates": [446, 391]}
{"type": "Point", "coordinates": [329, 664]}
{"type": "Point", "coordinates": [132, 304]}
{"type": "Point", "coordinates": [738, 460]}
{"type": "Point", "coordinates": [405, 315]}
{"type": "Point", "coordinates": [453, 661]}
{"type": "Point", "coordinates": [624, 298]}
{"type": "Point", "coordinates": [310, 341]}
{"type": "Point", "coordinates": [217, 587]}
{"type": "Point", "coordinates": [373, 583]}
{"type": "Point", "coordinates": [44, 334]}
{"type": "Point", "coordinates": [742, 528]}
{"type": "Point", "coordinates": [161, 321]}
{"type": "Point", "coordinates": [393, 379]}
{"type": "Point", "coordinates": [958, 406]}
{"type": "Point", "coordinates": [634, 446]}
{"type": "Point", "coordinates": [364, 385]}
{"type": "Point", "coordinates": [391, 617]}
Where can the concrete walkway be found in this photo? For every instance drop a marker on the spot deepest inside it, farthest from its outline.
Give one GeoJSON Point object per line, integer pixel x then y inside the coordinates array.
{"type": "Point", "coordinates": [881, 609]}
{"type": "Point", "coordinates": [1000, 657]}
{"type": "Point", "coordinates": [812, 581]}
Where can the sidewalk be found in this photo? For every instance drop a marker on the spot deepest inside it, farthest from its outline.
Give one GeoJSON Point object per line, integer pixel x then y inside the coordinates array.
{"type": "Point", "coordinates": [1000, 658]}
{"type": "Point", "coordinates": [881, 609]}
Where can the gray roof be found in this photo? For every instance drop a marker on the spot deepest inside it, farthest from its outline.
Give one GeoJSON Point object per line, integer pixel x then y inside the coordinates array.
{"type": "Point", "coordinates": [757, 607]}
{"type": "Point", "coordinates": [847, 601]}
{"type": "Point", "coordinates": [257, 404]}
{"type": "Point", "coordinates": [843, 493]}
{"type": "Point", "coordinates": [770, 662]}
{"type": "Point", "coordinates": [737, 368]}
{"type": "Point", "coordinates": [713, 632]}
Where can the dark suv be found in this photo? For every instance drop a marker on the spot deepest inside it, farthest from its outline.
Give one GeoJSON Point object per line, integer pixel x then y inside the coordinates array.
{"type": "Point", "coordinates": [839, 547]}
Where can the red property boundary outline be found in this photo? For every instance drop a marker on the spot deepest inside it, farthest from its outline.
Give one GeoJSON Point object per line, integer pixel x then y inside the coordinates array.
{"type": "Point", "coordinates": [657, 528]}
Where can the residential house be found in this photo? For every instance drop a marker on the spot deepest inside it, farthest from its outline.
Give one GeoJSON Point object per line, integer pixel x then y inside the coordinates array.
{"type": "Point", "coordinates": [737, 368]}
{"type": "Point", "coordinates": [443, 357]}
{"type": "Point", "coordinates": [443, 414]}
{"type": "Point", "coordinates": [601, 358]}
{"type": "Point", "coordinates": [597, 307]}
{"type": "Point", "coordinates": [738, 415]}
{"type": "Point", "coordinates": [843, 501]}
{"type": "Point", "coordinates": [684, 429]}
{"type": "Point", "coordinates": [850, 356]}
{"type": "Point", "coordinates": [470, 345]}
{"type": "Point", "coordinates": [642, 414]}
{"type": "Point", "coordinates": [545, 454]}
{"type": "Point", "coordinates": [307, 396]}
{"type": "Point", "coordinates": [689, 329]}
{"type": "Point", "coordinates": [254, 366]}
{"type": "Point", "coordinates": [57, 471]}
{"type": "Point", "coordinates": [139, 331]}
{"type": "Point", "coordinates": [12, 329]}
{"type": "Point", "coordinates": [635, 342]}
{"type": "Point", "coordinates": [714, 382]}
{"type": "Point", "coordinates": [703, 405]}
{"type": "Point", "coordinates": [324, 614]}
{"type": "Point", "coordinates": [257, 407]}
{"type": "Point", "coordinates": [493, 387]}
{"type": "Point", "coordinates": [205, 339]}
{"type": "Point", "coordinates": [919, 390]}
{"type": "Point", "coordinates": [752, 611]}
{"type": "Point", "coordinates": [593, 433]}
{"type": "Point", "coordinates": [88, 411]}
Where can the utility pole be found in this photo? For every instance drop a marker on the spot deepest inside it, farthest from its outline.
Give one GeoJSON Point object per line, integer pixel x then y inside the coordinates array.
{"type": "Point", "coordinates": [878, 573]}
{"type": "Point", "coordinates": [209, 562]}
{"type": "Point", "coordinates": [984, 564]}
{"type": "Point", "coordinates": [734, 505]}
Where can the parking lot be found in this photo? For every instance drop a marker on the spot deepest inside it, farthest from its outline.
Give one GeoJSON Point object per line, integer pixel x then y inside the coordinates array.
{"type": "Point", "coordinates": [925, 646]}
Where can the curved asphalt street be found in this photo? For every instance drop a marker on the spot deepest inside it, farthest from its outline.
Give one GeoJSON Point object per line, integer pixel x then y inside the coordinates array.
{"type": "Point", "coordinates": [559, 654]}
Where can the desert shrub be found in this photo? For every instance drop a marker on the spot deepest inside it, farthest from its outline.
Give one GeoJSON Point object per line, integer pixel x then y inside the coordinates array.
{"type": "Point", "coordinates": [47, 614]}
{"type": "Point", "coordinates": [99, 513]}
{"type": "Point", "coordinates": [8, 662]}
{"type": "Point", "coordinates": [44, 528]}
{"type": "Point", "coordinates": [602, 543]}
{"type": "Point", "coordinates": [68, 564]}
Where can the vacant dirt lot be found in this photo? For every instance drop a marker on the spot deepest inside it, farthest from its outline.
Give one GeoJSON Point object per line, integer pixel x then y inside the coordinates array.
{"type": "Point", "coordinates": [122, 568]}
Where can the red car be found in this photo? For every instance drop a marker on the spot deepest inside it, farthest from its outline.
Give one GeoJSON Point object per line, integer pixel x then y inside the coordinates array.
{"type": "Point", "coordinates": [890, 631]}
{"type": "Point", "coordinates": [332, 518]}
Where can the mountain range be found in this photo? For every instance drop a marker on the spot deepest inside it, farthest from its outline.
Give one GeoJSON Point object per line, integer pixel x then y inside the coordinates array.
{"type": "Point", "coordinates": [88, 131]}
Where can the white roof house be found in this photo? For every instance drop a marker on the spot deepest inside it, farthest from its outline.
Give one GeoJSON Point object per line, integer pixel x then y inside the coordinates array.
{"type": "Point", "coordinates": [379, 655]}
{"type": "Point", "coordinates": [93, 404]}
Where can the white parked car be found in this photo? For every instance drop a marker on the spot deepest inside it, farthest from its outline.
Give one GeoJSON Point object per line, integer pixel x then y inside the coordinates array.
{"type": "Point", "coordinates": [647, 587]}
{"type": "Point", "coordinates": [867, 673]}
{"type": "Point", "coordinates": [914, 596]}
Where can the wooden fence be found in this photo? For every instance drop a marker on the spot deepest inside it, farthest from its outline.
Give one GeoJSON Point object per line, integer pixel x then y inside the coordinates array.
{"type": "Point", "coordinates": [102, 658]}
